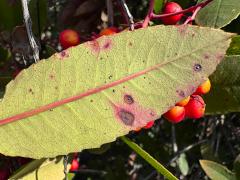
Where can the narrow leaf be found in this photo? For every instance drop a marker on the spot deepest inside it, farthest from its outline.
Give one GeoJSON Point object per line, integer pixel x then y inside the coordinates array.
{"type": "Point", "coordinates": [218, 13]}
{"type": "Point", "coordinates": [153, 162]}
{"type": "Point", "coordinates": [216, 171]}
{"type": "Point", "coordinates": [103, 89]}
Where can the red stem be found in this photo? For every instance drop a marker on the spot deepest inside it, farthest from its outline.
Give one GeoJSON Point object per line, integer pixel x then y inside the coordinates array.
{"type": "Point", "coordinates": [149, 14]}
{"type": "Point", "coordinates": [191, 18]}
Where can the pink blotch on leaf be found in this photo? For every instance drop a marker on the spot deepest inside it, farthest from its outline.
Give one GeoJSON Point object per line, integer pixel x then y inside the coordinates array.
{"type": "Point", "coordinates": [131, 114]}
{"type": "Point", "coordinates": [62, 55]}
{"type": "Point", "coordinates": [94, 47]}
{"type": "Point", "coordinates": [107, 44]}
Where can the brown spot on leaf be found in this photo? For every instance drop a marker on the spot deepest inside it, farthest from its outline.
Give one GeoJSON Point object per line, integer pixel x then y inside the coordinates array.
{"type": "Point", "coordinates": [30, 91]}
{"type": "Point", "coordinates": [126, 117]}
{"type": "Point", "coordinates": [128, 99]}
{"type": "Point", "coordinates": [62, 55]}
{"type": "Point", "coordinates": [94, 47]}
{"type": "Point", "coordinates": [51, 76]}
{"type": "Point", "coordinates": [130, 43]}
{"type": "Point", "coordinates": [206, 56]}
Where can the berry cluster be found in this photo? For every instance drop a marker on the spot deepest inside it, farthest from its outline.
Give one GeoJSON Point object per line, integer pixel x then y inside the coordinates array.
{"type": "Point", "coordinates": [192, 107]}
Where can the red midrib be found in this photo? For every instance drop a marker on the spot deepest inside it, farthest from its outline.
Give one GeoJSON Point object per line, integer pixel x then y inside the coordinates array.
{"type": "Point", "coordinates": [55, 104]}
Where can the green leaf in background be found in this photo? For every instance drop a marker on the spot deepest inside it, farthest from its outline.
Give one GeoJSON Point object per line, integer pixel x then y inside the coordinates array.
{"type": "Point", "coordinates": [10, 14]}
{"type": "Point", "coordinates": [216, 171]}
{"type": "Point", "coordinates": [218, 13]}
{"type": "Point", "coordinates": [234, 48]}
{"type": "Point", "coordinates": [42, 169]}
{"type": "Point", "coordinates": [91, 94]}
{"type": "Point", "coordinates": [38, 12]}
{"type": "Point", "coordinates": [236, 167]}
{"type": "Point", "coordinates": [224, 96]}
{"type": "Point", "coordinates": [183, 164]}
{"type": "Point", "coordinates": [158, 5]}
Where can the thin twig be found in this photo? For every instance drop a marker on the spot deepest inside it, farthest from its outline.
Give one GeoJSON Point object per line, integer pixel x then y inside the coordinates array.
{"type": "Point", "coordinates": [127, 14]}
{"type": "Point", "coordinates": [65, 162]}
{"type": "Point", "coordinates": [174, 143]}
{"type": "Point", "coordinates": [191, 18]}
{"type": "Point", "coordinates": [28, 24]}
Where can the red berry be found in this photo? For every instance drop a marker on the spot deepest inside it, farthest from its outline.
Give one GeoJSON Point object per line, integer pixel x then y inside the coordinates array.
{"type": "Point", "coordinates": [171, 7]}
{"type": "Point", "coordinates": [74, 165]}
{"type": "Point", "coordinates": [68, 38]}
{"type": "Point", "coordinates": [196, 107]}
{"type": "Point", "coordinates": [149, 125]}
{"type": "Point", "coordinates": [108, 31]}
{"type": "Point", "coordinates": [204, 88]}
{"type": "Point", "coordinates": [176, 114]}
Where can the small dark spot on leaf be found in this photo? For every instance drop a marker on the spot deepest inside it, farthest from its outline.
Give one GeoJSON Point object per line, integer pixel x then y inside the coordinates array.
{"type": "Point", "coordinates": [128, 99]}
{"type": "Point", "coordinates": [197, 67]}
{"type": "Point", "coordinates": [110, 77]}
{"type": "Point", "coordinates": [51, 110]}
{"type": "Point", "coordinates": [144, 77]}
{"type": "Point", "coordinates": [181, 93]}
{"type": "Point", "coordinates": [130, 44]}
{"type": "Point", "coordinates": [124, 87]}
{"type": "Point", "coordinates": [126, 117]}
{"type": "Point", "coordinates": [101, 58]}
{"type": "Point", "coordinates": [30, 91]}
{"type": "Point", "coordinates": [51, 76]}
{"type": "Point", "coordinates": [113, 90]}
{"type": "Point", "coordinates": [91, 100]}
{"type": "Point", "coordinates": [56, 87]}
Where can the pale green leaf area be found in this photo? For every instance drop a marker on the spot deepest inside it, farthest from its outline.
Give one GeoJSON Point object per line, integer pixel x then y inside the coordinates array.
{"type": "Point", "coordinates": [224, 96]}
{"type": "Point", "coordinates": [124, 81]}
{"type": "Point", "coordinates": [218, 13]}
{"type": "Point", "coordinates": [217, 171]}
{"type": "Point", "coordinates": [42, 169]}
{"type": "Point", "coordinates": [183, 164]}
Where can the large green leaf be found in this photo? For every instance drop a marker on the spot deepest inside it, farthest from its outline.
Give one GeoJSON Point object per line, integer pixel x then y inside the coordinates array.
{"type": "Point", "coordinates": [224, 96]}
{"type": "Point", "coordinates": [88, 95]}
{"type": "Point", "coordinates": [218, 13]}
{"type": "Point", "coordinates": [42, 169]}
{"type": "Point", "coordinates": [217, 171]}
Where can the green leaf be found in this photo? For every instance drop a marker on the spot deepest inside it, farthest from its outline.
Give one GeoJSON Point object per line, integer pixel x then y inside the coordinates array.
{"type": "Point", "coordinates": [158, 5]}
{"type": "Point", "coordinates": [225, 87]}
{"type": "Point", "coordinates": [218, 13]}
{"type": "Point", "coordinates": [10, 14]}
{"type": "Point", "coordinates": [216, 171]}
{"type": "Point", "coordinates": [183, 164]}
{"type": "Point", "coordinates": [91, 94]}
{"type": "Point", "coordinates": [40, 169]}
{"type": "Point", "coordinates": [153, 162]}
{"type": "Point", "coordinates": [236, 167]}
{"type": "Point", "coordinates": [234, 48]}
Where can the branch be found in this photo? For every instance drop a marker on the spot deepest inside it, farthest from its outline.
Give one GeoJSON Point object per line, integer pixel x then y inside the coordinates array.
{"type": "Point", "coordinates": [149, 14]}
{"type": "Point", "coordinates": [28, 24]}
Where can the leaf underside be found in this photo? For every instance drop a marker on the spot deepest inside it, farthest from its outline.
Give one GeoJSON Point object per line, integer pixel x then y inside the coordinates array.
{"type": "Point", "coordinates": [116, 84]}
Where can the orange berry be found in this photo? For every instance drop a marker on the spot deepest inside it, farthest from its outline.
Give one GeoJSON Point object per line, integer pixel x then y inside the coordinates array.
{"type": "Point", "coordinates": [203, 88]}
{"type": "Point", "coordinates": [68, 38]}
{"type": "Point", "coordinates": [108, 31]}
{"type": "Point", "coordinates": [176, 114]}
{"type": "Point", "coordinates": [196, 107]}
{"type": "Point", "coordinates": [183, 102]}
{"type": "Point", "coordinates": [149, 125]}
